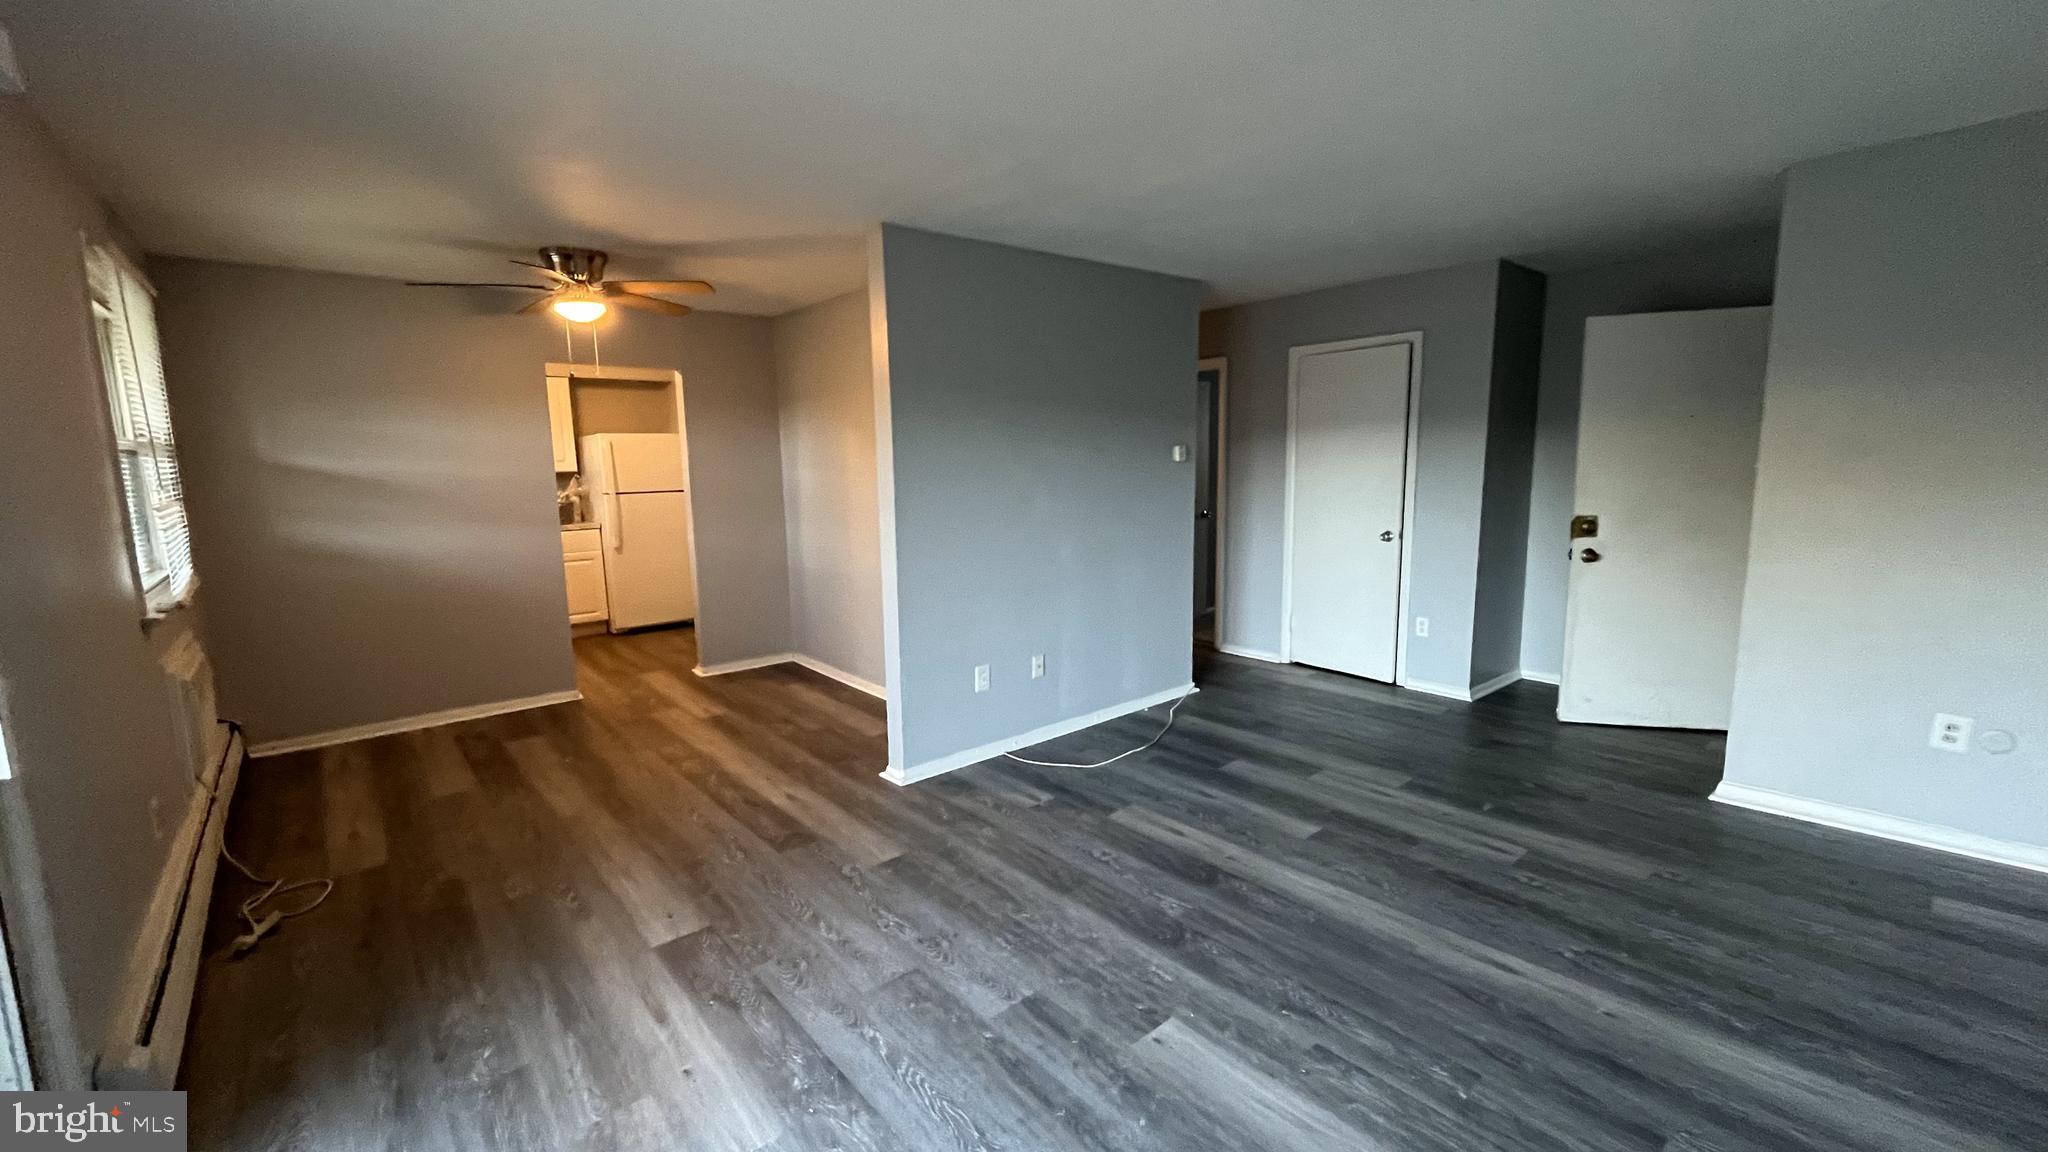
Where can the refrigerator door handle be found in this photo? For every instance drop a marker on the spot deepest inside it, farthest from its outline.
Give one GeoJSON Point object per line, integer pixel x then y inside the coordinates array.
{"type": "Point", "coordinates": [611, 459]}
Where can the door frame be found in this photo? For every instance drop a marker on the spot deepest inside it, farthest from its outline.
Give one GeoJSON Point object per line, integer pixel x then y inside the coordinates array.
{"type": "Point", "coordinates": [1221, 448]}
{"type": "Point", "coordinates": [673, 380]}
{"type": "Point", "coordinates": [1295, 355]}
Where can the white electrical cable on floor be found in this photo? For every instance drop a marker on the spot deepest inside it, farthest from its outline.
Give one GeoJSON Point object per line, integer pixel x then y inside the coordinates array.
{"type": "Point", "coordinates": [259, 926]}
{"type": "Point", "coordinates": [1113, 759]}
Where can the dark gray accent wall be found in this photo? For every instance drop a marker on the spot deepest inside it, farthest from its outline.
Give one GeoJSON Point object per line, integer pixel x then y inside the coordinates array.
{"type": "Point", "coordinates": [372, 491]}
{"type": "Point", "coordinates": [1510, 450]}
{"type": "Point", "coordinates": [1725, 272]}
{"type": "Point", "coordinates": [1032, 403]}
{"type": "Point", "coordinates": [1456, 310]}
{"type": "Point", "coordinates": [87, 715]}
{"type": "Point", "coordinates": [1901, 532]}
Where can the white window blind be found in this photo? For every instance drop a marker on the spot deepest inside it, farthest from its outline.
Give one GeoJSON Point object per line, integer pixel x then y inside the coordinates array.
{"type": "Point", "coordinates": [124, 316]}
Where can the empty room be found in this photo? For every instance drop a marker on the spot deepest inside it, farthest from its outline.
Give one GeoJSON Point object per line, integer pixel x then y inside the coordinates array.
{"type": "Point", "coordinates": [779, 577]}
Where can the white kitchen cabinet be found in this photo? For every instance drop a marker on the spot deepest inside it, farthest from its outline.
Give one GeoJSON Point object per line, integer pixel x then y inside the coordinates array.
{"type": "Point", "coordinates": [562, 424]}
{"type": "Point", "coordinates": [583, 574]}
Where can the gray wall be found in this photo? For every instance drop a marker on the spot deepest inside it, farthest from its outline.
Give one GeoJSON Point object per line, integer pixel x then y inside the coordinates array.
{"type": "Point", "coordinates": [84, 704]}
{"type": "Point", "coordinates": [372, 499]}
{"type": "Point", "coordinates": [825, 383]}
{"type": "Point", "coordinates": [1455, 310]}
{"type": "Point", "coordinates": [1901, 531]}
{"type": "Point", "coordinates": [1510, 448]}
{"type": "Point", "coordinates": [1033, 400]}
{"type": "Point", "coordinates": [1726, 272]}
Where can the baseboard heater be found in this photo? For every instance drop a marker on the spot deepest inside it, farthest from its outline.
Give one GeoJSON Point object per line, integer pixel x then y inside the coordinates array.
{"type": "Point", "coordinates": [148, 1032]}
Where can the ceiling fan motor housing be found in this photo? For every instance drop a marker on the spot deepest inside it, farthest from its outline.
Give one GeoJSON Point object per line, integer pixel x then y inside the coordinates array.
{"type": "Point", "coordinates": [583, 265]}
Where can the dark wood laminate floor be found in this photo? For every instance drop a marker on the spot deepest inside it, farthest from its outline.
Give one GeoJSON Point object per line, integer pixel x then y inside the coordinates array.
{"type": "Point", "coordinates": [1321, 914]}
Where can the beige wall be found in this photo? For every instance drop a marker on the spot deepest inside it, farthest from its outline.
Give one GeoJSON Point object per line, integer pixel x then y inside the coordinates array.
{"type": "Point", "coordinates": [622, 406]}
{"type": "Point", "coordinates": [372, 489]}
{"type": "Point", "coordinates": [85, 706]}
{"type": "Point", "coordinates": [825, 379]}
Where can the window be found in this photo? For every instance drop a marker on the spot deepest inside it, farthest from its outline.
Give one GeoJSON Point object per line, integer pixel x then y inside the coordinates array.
{"type": "Point", "coordinates": [124, 319]}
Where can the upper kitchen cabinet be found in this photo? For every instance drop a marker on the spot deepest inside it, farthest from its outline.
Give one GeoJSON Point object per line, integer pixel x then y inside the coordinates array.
{"type": "Point", "coordinates": [561, 423]}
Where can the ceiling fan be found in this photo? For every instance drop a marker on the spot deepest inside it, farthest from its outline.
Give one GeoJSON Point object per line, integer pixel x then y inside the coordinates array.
{"type": "Point", "coordinates": [578, 292]}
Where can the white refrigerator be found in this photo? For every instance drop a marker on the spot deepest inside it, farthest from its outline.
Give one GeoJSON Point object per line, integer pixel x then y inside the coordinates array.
{"type": "Point", "coordinates": [643, 512]}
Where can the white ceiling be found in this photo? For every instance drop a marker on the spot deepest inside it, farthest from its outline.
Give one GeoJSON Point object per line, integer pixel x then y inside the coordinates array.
{"type": "Point", "coordinates": [1260, 145]}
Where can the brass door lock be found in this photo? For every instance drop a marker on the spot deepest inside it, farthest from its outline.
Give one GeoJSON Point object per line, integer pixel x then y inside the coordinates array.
{"type": "Point", "coordinates": [1584, 526]}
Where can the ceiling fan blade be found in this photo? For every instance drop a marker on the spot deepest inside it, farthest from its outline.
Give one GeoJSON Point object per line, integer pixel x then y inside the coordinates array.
{"type": "Point", "coordinates": [664, 287]}
{"type": "Point", "coordinates": [647, 303]}
{"type": "Point", "coordinates": [539, 303]}
{"type": "Point", "coordinates": [545, 271]}
{"type": "Point", "coordinates": [473, 284]}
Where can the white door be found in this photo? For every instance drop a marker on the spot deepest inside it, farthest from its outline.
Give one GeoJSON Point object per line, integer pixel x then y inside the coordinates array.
{"type": "Point", "coordinates": [1670, 408]}
{"type": "Point", "coordinates": [647, 574]}
{"type": "Point", "coordinates": [1350, 452]}
{"type": "Point", "coordinates": [644, 462]}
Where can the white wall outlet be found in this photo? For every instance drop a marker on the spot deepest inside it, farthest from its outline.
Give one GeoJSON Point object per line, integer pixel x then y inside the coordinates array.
{"type": "Point", "coordinates": [1950, 733]}
{"type": "Point", "coordinates": [1180, 453]}
{"type": "Point", "coordinates": [1038, 666]}
{"type": "Point", "coordinates": [981, 677]}
{"type": "Point", "coordinates": [1422, 625]}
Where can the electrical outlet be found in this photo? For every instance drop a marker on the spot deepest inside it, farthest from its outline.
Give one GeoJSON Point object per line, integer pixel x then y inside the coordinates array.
{"type": "Point", "coordinates": [981, 677]}
{"type": "Point", "coordinates": [1422, 625]}
{"type": "Point", "coordinates": [1038, 666]}
{"type": "Point", "coordinates": [1950, 733]}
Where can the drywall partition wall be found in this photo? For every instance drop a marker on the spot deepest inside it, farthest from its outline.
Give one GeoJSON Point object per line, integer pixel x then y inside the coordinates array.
{"type": "Point", "coordinates": [825, 385]}
{"type": "Point", "coordinates": [1504, 504]}
{"type": "Point", "coordinates": [87, 711]}
{"type": "Point", "coordinates": [1031, 405]}
{"type": "Point", "coordinates": [372, 498]}
{"type": "Point", "coordinates": [1731, 271]}
{"type": "Point", "coordinates": [1899, 538]}
{"type": "Point", "coordinates": [1455, 310]}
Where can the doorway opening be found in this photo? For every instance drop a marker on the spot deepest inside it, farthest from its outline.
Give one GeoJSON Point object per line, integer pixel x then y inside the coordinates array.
{"type": "Point", "coordinates": [1350, 501]}
{"type": "Point", "coordinates": [623, 490]}
{"type": "Point", "coordinates": [1212, 416]}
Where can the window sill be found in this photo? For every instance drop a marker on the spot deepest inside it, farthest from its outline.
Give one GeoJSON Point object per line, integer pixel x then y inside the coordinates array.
{"type": "Point", "coordinates": [153, 616]}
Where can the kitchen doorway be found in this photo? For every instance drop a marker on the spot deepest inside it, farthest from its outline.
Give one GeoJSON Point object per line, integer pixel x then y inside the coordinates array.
{"type": "Point", "coordinates": [623, 496]}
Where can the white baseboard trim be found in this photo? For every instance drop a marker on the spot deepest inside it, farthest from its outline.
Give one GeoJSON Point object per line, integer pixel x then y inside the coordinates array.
{"type": "Point", "coordinates": [1432, 688]}
{"type": "Point", "coordinates": [409, 723]}
{"type": "Point", "coordinates": [1550, 678]}
{"type": "Point", "coordinates": [1496, 684]}
{"type": "Point", "coordinates": [1251, 653]}
{"type": "Point", "coordinates": [859, 683]}
{"type": "Point", "coordinates": [944, 764]}
{"type": "Point", "coordinates": [1938, 837]}
{"type": "Point", "coordinates": [747, 665]}
{"type": "Point", "coordinates": [165, 967]}
{"type": "Point", "coordinates": [1461, 692]}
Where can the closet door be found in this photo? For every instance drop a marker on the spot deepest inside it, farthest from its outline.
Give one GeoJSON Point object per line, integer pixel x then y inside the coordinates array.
{"type": "Point", "coordinates": [1349, 458]}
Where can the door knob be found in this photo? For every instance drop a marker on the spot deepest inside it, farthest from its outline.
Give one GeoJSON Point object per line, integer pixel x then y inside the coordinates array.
{"type": "Point", "coordinates": [1589, 555]}
{"type": "Point", "coordinates": [1387, 536]}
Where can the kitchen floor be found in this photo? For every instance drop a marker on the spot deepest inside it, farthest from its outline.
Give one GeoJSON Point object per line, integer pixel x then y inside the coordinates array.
{"type": "Point", "coordinates": [1321, 914]}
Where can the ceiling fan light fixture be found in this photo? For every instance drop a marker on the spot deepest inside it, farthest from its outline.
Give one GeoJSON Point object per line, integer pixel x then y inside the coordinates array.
{"type": "Point", "coordinates": [578, 308]}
